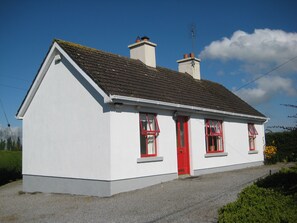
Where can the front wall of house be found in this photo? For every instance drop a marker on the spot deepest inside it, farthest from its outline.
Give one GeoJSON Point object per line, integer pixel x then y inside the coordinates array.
{"type": "Point", "coordinates": [236, 147]}
{"type": "Point", "coordinates": [125, 146]}
{"type": "Point", "coordinates": [66, 129]}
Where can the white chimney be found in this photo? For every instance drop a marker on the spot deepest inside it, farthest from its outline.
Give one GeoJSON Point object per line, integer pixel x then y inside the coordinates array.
{"type": "Point", "coordinates": [144, 50]}
{"type": "Point", "coordinates": [191, 65]}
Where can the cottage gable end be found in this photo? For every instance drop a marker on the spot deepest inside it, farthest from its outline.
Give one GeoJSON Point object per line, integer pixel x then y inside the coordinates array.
{"type": "Point", "coordinates": [55, 55]}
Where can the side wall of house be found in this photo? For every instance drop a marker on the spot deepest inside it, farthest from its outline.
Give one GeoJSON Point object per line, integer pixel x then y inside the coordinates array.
{"type": "Point", "coordinates": [66, 132]}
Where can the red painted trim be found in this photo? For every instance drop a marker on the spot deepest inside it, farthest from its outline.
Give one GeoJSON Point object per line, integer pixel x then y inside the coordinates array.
{"type": "Point", "coordinates": [252, 134]}
{"type": "Point", "coordinates": [183, 153]}
{"type": "Point", "coordinates": [214, 132]}
{"type": "Point", "coordinates": [149, 132]}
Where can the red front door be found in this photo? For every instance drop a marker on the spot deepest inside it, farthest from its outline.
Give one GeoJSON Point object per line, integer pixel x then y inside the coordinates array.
{"type": "Point", "coordinates": [182, 145]}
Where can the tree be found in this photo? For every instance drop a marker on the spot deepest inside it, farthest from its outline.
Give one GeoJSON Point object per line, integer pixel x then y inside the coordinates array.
{"type": "Point", "coordinates": [18, 144]}
{"type": "Point", "coordinates": [2, 144]}
{"type": "Point", "coordinates": [9, 144]}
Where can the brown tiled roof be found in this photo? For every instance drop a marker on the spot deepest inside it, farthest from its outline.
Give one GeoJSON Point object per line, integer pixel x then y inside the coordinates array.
{"type": "Point", "coordinates": [118, 75]}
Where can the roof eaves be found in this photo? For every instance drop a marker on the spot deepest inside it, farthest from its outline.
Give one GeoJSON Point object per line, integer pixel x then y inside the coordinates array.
{"type": "Point", "coordinates": [161, 104]}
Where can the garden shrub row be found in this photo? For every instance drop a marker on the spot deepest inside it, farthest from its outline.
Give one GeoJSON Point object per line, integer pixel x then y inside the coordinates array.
{"type": "Point", "coordinates": [286, 144]}
{"type": "Point", "coordinates": [10, 166]}
{"type": "Point", "coordinates": [273, 199]}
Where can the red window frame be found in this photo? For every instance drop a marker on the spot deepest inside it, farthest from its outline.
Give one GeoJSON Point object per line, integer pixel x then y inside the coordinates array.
{"type": "Point", "coordinates": [214, 136]}
{"type": "Point", "coordinates": [148, 133]}
{"type": "Point", "coordinates": [252, 136]}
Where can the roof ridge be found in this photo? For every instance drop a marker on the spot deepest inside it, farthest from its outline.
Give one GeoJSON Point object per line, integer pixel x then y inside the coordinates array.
{"type": "Point", "coordinates": [118, 55]}
{"type": "Point", "coordinates": [72, 44]}
{"type": "Point", "coordinates": [80, 46]}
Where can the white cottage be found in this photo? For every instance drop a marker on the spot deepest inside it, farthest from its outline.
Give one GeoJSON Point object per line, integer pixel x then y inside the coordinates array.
{"type": "Point", "coordinates": [96, 123]}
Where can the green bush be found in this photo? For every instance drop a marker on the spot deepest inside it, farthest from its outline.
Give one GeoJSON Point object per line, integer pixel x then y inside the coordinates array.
{"type": "Point", "coordinates": [272, 199]}
{"type": "Point", "coordinates": [286, 143]}
{"type": "Point", "coordinates": [256, 204]}
{"type": "Point", "coordinates": [10, 166]}
{"type": "Point", "coordinates": [285, 181]}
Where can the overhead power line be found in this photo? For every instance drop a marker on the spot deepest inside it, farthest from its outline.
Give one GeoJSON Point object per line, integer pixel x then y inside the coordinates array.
{"type": "Point", "coordinates": [9, 86]}
{"type": "Point", "coordinates": [273, 69]}
{"type": "Point", "coordinates": [13, 77]}
{"type": "Point", "coordinates": [2, 106]}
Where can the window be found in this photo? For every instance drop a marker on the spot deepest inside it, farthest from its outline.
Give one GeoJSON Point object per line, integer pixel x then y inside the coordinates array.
{"type": "Point", "coordinates": [149, 130]}
{"type": "Point", "coordinates": [252, 136]}
{"type": "Point", "coordinates": [214, 136]}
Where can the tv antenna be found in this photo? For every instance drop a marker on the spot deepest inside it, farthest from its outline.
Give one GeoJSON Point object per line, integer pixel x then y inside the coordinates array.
{"type": "Point", "coordinates": [193, 37]}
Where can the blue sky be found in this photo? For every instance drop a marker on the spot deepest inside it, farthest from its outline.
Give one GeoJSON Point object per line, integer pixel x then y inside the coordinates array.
{"type": "Point", "coordinates": [236, 40]}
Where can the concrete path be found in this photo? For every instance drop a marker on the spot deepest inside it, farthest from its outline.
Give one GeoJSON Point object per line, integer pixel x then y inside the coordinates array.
{"type": "Point", "coordinates": [194, 199]}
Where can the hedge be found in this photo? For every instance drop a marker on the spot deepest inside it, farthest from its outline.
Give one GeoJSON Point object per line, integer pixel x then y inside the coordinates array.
{"type": "Point", "coordinates": [272, 199]}
{"type": "Point", "coordinates": [10, 166]}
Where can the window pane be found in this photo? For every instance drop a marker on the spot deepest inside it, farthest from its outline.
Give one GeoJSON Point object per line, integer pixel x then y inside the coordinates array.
{"type": "Point", "coordinates": [182, 133]}
{"type": "Point", "coordinates": [252, 143]}
{"type": "Point", "coordinates": [151, 145]}
{"type": "Point", "coordinates": [212, 126]}
{"type": "Point", "coordinates": [211, 145]}
{"type": "Point", "coordinates": [219, 143]}
{"type": "Point", "coordinates": [151, 122]}
{"type": "Point", "coordinates": [143, 121]}
{"type": "Point", "coordinates": [252, 130]}
{"type": "Point", "coordinates": [142, 144]}
{"type": "Point", "coordinates": [214, 136]}
{"type": "Point", "coordinates": [215, 127]}
{"type": "Point", "coordinates": [148, 132]}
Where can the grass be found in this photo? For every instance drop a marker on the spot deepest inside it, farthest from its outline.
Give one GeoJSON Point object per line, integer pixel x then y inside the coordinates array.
{"type": "Point", "coordinates": [10, 166]}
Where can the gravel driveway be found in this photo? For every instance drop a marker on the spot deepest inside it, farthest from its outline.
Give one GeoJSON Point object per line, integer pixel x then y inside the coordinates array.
{"type": "Point", "coordinates": [194, 199]}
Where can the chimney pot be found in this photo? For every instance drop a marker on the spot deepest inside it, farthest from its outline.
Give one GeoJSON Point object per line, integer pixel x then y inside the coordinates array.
{"type": "Point", "coordinates": [145, 38]}
{"type": "Point", "coordinates": [137, 39]}
{"type": "Point", "coordinates": [192, 55]}
{"type": "Point", "coordinates": [186, 56]}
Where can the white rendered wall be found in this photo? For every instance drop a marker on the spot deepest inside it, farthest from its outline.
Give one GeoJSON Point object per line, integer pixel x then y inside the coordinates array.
{"type": "Point", "coordinates": [235, 144]}
{"type": "Point", "coordinates": [125, 146]}
{"type": "Point", "coordinates": [65, 129]}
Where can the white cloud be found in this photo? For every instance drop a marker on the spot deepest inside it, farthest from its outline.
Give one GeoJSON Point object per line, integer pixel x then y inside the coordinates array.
{"type": "Point", "coordinates": [258, 53]}
{"type": "Point", "coordinates": [264, 45]}
{"type": "Point", "coordinates": [266, 88]}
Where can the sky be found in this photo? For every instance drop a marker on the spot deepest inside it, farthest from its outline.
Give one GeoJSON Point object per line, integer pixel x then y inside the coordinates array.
{"type": "Point", "coordinates": [237, 42]}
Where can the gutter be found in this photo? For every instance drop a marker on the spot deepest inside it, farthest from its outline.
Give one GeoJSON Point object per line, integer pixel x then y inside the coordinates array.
{"type": "Point", "coordinates": [173, 106]}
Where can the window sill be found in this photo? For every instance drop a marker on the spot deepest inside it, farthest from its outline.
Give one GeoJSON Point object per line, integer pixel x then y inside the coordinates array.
{"type": "Point", "coordinates": [207, 155]}
{"type": "Point", "coordinates": [253, 152]}
{"type": "Point", "coordinates": [150, 159]}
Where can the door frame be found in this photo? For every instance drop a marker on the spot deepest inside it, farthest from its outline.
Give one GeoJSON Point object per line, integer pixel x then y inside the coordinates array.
{"type": "Point", "coordinates": [185, 150]}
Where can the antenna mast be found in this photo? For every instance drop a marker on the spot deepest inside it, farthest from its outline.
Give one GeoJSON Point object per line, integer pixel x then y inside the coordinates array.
{"type": "Point", "coordinates": [193, 36]}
